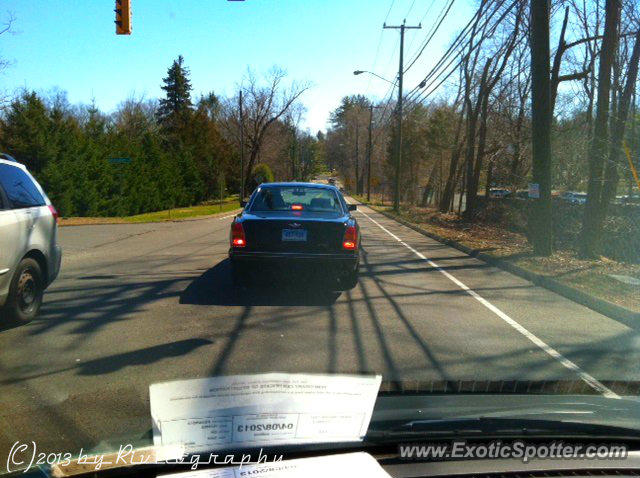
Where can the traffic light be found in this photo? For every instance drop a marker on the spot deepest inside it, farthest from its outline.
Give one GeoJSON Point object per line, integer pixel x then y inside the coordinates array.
{"type": "Point", "coordinates": [123, 17]}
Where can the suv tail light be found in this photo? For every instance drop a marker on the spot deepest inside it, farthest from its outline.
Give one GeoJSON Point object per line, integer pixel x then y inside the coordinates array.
{"type": "Point", "coordinates": [54, 212]}
{"type": "Point", "coordinates": [238, 238]}
{"type": "Point", "coordinates": [350, 240]}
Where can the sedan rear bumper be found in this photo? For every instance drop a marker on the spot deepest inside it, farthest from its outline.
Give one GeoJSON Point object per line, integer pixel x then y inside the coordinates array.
{"type": "Point", "coordinates": [345, 261]}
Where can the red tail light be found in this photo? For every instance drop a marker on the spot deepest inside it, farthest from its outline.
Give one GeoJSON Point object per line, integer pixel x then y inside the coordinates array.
{"type": "Point", "coordinates": [237, 235]}
{"type": "Point", "coordinates": [350, 240]}
{"type": "Point", "coordinates": [296, 207]}
{"type": "Point", "coordinates": [54, 213]}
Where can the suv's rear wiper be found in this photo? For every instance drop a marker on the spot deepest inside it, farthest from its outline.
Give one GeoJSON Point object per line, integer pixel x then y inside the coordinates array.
{"type": "Point", "coordinates": [511, 427]}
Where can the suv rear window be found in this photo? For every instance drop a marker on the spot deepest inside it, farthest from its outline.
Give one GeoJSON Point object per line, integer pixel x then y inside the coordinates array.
{"type": "Point", "coordinates": [19, 188]}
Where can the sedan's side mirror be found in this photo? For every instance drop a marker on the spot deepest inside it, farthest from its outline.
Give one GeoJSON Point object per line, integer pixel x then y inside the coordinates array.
{"type": "Point", "coordinates": [243, 203]}
{"type": "Point", "coordinates": [353, 207]}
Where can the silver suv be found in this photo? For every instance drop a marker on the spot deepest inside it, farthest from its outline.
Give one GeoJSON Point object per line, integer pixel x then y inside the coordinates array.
{"type": "Point", "coordinates": [29, 252]}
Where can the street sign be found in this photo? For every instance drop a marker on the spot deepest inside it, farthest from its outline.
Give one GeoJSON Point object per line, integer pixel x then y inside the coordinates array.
{"type": "Point", "coordinates": [534, 190]}
{"type": "Point", "coordinates": [119, 160]}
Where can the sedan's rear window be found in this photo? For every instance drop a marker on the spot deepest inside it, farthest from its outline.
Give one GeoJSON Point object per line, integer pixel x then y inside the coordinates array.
{"type": "Point", "coordinates": [302, 198]}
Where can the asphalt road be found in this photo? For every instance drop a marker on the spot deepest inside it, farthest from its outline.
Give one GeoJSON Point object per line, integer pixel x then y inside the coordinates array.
{"type": "Point", "coordinates": [144, 303]}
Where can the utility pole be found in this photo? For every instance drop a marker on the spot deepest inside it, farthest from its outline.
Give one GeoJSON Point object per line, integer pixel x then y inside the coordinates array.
{"type": "Point", "coordinates": [369, 147]}
{"type": "Point", "coordinates": [403, 27]}
{"type": "Point", "coordinates": [540, 223]}
{"type": "Point", "coordinates": [241, 147]}
{"type": "Point", "coordinates": [357, 154]}
{"type": "Point", "coordinates": [293, 151]}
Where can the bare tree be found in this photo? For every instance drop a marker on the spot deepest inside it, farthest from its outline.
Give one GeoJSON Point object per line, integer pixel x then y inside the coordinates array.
{"type": "Point", "coordinates": [6, 27]}
{"type": "Point", "coordinates": [263, 105]}
{"type": "Point", "coordinates": [496, 62]}
{"type": "Point", "coordinates": [618, 128]}
{"type": "Point", "coordinates": [592, 222]}
{"type": "Point", "coordinates": [446, 201]}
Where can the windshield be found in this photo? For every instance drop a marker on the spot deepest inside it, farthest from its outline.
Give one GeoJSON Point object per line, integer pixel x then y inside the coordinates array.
{"type": "Point", "coordinates": [301, 198]}
{"type": "Point", "coordinates": [382, 210]}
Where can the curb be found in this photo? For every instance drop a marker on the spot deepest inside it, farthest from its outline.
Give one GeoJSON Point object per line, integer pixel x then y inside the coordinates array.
{"type": "Point", "coordinates": [601, 306]}
{"type": "Point", "coordinates": [232, 212]}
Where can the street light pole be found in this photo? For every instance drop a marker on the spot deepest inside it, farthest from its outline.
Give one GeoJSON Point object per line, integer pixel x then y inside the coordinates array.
{"type": "Point", "coordinates": [396, 192]}
{"type": "Point", "coordinates": [360, 72]}
{"type": "Point", "coordinates": [369, 142]}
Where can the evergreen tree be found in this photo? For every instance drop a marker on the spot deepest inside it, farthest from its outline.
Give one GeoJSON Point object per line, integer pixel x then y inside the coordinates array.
{"type": "Point", "coordinates": [176, 108]}
{"type": "Point", "coordinates": [26, 131]}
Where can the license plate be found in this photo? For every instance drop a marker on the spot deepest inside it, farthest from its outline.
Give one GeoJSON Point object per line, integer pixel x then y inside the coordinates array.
{"type": "Point", "coordinates": [294, 235]}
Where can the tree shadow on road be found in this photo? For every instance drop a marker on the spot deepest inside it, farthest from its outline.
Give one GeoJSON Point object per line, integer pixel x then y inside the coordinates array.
{"type": "Point", "coordinates": [144, 356]}
{"type": "Point", "coordinates": [115, 362]}
{"type": "Point", "coordinates": [215, 287]}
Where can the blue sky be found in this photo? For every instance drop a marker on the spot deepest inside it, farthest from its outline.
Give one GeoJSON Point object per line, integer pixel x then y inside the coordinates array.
{"type": "Point", "coordinates": [71, 45]}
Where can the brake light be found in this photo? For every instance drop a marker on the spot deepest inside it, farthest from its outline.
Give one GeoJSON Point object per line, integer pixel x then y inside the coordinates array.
{"type": "Point", "coordinates": [350, 240]}
{"type": "Point", "coordinates": [296, 207]}
{"type": "Point", "coordinates": [54, 213]}
{"type": "Point", "coordinates": [237, 235]}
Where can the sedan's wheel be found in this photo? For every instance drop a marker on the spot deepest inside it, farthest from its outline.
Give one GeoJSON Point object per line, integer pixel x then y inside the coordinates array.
{"type": "Point", "coordinates": [25, 292]}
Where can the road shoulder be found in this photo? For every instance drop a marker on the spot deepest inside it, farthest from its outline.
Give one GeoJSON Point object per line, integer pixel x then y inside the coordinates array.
{"type": "Point", "coordinates": [602, 306]}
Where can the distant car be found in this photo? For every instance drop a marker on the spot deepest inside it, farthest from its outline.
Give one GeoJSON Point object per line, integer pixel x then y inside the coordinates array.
{"type": "Point", "coordinates": [574, 197]}
{"type": "Point", "coordinates": [566, 196]}
{"type": "Point", "coordinates": [628, 199]}
{"type": "Point", "coordinates": [29, 252]}
{"type": "Point", "coordinates": [332, 181]}
{"type": "Point", "coordinates": [499, 193]}
{"type": "Point", "coordinates": [304, 226]}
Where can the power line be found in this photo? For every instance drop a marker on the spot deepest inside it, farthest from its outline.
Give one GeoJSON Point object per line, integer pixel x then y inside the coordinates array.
{"type": "Point", "coordinates": [375, 58]}
{"type": "Point", "coordinates": [430, 36]}
{"type": "Point", "coordinates": [390, 7]}
{"type": "Point", "coordinates": [425, 93]}
{"type": "Point", "coordinates": [381, 120]}
{"type": "Point", "coordinates": [425, 16]}
{"type": "Point", "coordinates": [428, 10]}
{"type": "Point", "coordinates": [461, 38]}
{"type": "Point", "coordinates": [389, 96]}
{"type": "Point", "coordinates": [453, 47]}
{"type": "Point", "coordinates": [413, 40]}
{"type": "Point", "coordinates": [410, 8]}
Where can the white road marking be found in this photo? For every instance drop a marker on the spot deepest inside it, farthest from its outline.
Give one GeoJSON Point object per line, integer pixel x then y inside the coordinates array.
{"type": "Point", "coordinates": [591, 381]}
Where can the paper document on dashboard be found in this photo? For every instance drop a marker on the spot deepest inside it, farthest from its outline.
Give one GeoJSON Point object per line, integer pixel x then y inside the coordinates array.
{"type": "Point", "coordinates": [261, 410]}
{"type": "Point", "coordinates": [348, 465]}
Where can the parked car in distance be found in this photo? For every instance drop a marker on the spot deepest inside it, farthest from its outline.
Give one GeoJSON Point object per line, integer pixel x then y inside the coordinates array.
{"type": "Point", "coordinates": [626, 199]}
{"type": "Point", "coordinates": [499, 193]}
{"type": "Point", "coordinates": [574, 197]}
{"type": "Point", "coordinates": [303, 228]}
{"type": "Point", "coordinates": [29, 252]}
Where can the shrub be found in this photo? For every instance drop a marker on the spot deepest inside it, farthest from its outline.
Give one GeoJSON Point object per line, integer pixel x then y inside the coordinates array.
{"type": "Point", "coordinates": [261, 174]}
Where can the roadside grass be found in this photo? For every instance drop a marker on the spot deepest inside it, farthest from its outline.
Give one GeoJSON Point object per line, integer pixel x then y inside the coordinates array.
{"type": "Point", "coordinates": [590, 276]}
{"type": "Point", "coordinates": [209, 208]}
